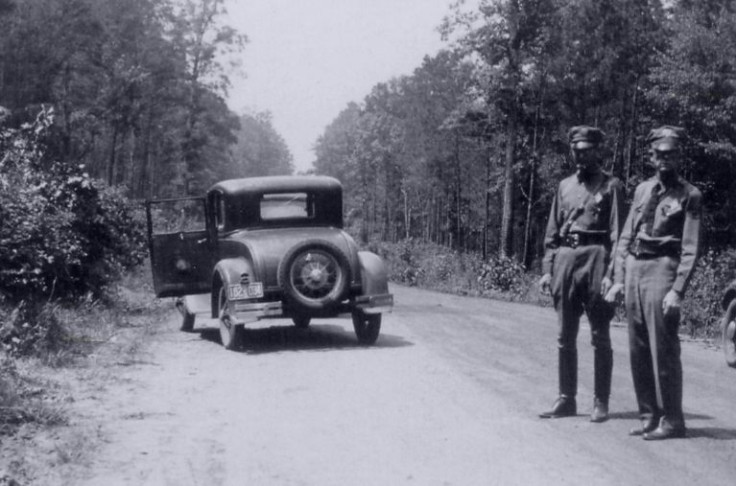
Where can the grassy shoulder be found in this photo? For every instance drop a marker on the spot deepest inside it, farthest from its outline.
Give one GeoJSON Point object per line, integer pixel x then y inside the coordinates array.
{"type": "Point", "coordinates": [439, 268]}
{"type": "Point", "coordinates": [43, 366]}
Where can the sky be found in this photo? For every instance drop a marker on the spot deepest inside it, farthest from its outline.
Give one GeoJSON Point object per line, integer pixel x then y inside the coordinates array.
{"type": "Point", "coordinates": [307, 59]}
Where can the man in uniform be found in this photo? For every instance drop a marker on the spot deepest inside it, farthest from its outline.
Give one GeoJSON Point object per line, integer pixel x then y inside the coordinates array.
{"type": "Point", "coordinates": [583, 227]}
{"type": "Point", "coordinates": [655, 258]}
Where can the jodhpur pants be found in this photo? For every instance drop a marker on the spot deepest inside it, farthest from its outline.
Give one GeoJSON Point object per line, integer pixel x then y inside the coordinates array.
{"type": "Point", "coordinates": [653, 340]}
{"type": "Point", "coordinates": [576, 288]}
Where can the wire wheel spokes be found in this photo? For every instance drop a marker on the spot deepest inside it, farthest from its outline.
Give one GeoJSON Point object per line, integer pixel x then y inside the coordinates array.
{"type": "Point", "coordinates": [315, 274]}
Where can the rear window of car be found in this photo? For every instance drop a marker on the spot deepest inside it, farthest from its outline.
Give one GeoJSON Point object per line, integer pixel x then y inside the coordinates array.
{"type": "Point", "coordinates": [297, 205]}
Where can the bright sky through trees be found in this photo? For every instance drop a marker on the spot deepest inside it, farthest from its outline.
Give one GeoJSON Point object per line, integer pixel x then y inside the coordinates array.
{"type": "Point", "coordinates": [307, 59]}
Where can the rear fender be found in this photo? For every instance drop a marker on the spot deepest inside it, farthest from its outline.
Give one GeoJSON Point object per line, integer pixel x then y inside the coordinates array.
{"type": "Point", "coordinates": [373, 274]}
{"type": "Point", "coordinates": [728, 295]}
{"type": "Point", "coordinates": [227, 272]}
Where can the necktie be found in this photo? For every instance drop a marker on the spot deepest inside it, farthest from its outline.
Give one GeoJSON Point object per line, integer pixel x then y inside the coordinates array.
{"type": "Point", "coordinates": [647, 218]}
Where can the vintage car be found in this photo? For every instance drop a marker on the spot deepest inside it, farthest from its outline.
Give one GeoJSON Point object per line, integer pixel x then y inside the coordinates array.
{"type": "Point", "coordinates": [266, 247]}
{"type": "Point", "coordinates": [728, 324]}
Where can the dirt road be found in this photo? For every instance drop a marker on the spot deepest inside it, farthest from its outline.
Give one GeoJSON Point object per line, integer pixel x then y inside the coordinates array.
{"type": "Point", "coordinates": [449, 395]}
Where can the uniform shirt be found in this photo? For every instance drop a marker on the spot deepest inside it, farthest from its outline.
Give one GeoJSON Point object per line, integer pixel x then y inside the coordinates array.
{"type": "Point", "coordinates": [587, 207]}
{"type": "Point", "coordinates": [676, 223]}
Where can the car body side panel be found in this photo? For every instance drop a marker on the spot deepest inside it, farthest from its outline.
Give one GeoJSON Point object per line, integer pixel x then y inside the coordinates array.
{"type": "Point", "coordinates": [266, 248]}
{"type": "Point", "coordinates": [374, 275]}
{"type": "Point", "coordinates": [228, 271]}
{"type": "Point", "coordinates": [728, 295]}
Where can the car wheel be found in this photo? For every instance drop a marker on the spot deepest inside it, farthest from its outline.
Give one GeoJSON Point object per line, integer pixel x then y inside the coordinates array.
{"type": "Point", "coordinates": [301, 322]}
{"type": "Point", "coordinates": [231, 335]}
{"type": "Point", "coordinates": [728, 334]}
{"type": "Point", "coordinates": [367, 326]}
{"type": "Point", "coordinates": [314, 275]}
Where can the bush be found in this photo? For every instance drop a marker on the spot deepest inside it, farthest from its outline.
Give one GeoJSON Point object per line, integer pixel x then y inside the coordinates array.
{"type": "Point", "coordinates": [701, 308]}
{"type": "Point", "coordinates": [33, 329]}
{"type": "Point", "coordinates": [63, 234]}
{"type": "Point", "coordinates": [504, 274]}
{"type": "Point", "coordinates": [436, 267]}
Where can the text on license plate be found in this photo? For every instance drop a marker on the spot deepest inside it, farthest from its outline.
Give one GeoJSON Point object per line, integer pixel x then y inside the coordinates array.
{"type": "Point", "coordinates": [251, 291]}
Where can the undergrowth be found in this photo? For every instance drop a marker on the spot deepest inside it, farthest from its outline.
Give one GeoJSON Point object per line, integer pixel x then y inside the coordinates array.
{"type": "Point", "coordinates": [435, 267]}
{"type": "Point", "coordinates": [38, 336]}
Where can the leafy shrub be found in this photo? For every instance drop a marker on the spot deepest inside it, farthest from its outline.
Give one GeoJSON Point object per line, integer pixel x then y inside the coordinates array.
{"type": "Point", "coordinates": [502, 273]}
{"type": "Point", "coordinates": [33, 329]}
{"type": "Point", "coordinates": [63, 234]}
{"type": "Point", "coordinates": [437, 267]}
{"type": "Point", "coordinates": [701, 307]}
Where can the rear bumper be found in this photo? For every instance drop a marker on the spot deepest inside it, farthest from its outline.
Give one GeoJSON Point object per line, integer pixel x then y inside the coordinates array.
{"type": "Point", "coordinates": [252, 311]}
{"type": "Point", "coordinates": [375, 304]}
{"type": "Point", "coordinates": [245, 311]}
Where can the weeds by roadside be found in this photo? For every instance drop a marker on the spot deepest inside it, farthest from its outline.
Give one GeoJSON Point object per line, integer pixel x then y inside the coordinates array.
{"type": "Point", "coordinates": [42, 346]}
{"type": "Point", "coordinates": [439, 268]}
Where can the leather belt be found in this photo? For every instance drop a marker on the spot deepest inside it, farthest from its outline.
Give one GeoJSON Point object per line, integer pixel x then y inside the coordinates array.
{"type": "Point", "coordinates": [574, 240]}
{"type": "Point", "coordinates": [646, 250]}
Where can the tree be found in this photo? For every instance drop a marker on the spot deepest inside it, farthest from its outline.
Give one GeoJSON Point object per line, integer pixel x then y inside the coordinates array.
{"type": "Point", "coordinates": [505, 37]}
{"type": "Point", "coordinates": [694, 86]}
{"type": "Point", "coordinates": [260, 150]}
{"type": "Point", "coordinates": [203, 42]}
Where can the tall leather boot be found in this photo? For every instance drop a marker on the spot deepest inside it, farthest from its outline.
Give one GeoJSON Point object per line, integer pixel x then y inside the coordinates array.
{"type": "Point", "coordinates": [603, 368]}
{"type": "Point", "coordinates": [567, 367]}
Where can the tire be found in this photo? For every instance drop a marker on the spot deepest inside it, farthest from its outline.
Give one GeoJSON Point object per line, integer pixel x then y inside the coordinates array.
{"type": "Point", "coordinates": [367, 326]}
{"type": "Point", "coordinates": [728, 334]}
{"type": "Point", "coordinates": [230, 334]}
{"type": "Point", "coordinates": [187, 324]}
{"type": "Point", "coordinates": [314, 275]}
{"type": "Point", "coordinates": [301, 322]}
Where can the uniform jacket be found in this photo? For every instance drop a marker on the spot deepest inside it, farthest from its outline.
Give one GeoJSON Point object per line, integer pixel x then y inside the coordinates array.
{"type": "Point", "coordinates": [594, 207]}
{"type": "Point", "coordinates": [676, 223]}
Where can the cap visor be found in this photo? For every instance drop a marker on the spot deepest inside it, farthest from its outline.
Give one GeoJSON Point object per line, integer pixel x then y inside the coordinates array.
{"type": "Point", "coordinates": [665, 145]}
{"type": "Point", "coordinates": [582, 145]}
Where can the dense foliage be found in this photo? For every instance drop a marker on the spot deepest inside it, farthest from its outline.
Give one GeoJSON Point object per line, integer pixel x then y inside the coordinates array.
{"type": "Point", "coordinates": [467, 151]}
{"type": "Point", "coordinates": [63, 234]}
{"type": "Point", "coordinates": [138, 87]}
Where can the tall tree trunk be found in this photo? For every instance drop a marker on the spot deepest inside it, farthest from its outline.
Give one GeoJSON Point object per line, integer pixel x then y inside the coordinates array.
{"type": "Point", "coordinates": [508, 187]}
{"type": "Point", "coordinates": [487, 208]}
{"type": "Point", "coordinates": [113, 156]}
{"type": "Point", "coordinates": [526, 256]}
{"type": "Point", "coordinates": [631, 152]}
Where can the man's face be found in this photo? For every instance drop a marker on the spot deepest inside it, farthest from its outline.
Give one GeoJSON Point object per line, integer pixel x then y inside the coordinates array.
{"type": "Point", "coordinates": [666, 162]}
{"type": "Point", "coordinates": [586, 158]}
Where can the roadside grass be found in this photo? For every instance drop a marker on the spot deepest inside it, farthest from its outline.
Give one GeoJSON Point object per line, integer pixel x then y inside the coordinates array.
{"type": "Point", "coordinates": [430, 266]}
{"type": "Point", "coordinates": [79, 346]}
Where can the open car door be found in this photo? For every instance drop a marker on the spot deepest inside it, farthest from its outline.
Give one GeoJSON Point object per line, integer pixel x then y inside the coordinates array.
{"type": "Point", "coordinates": [181, 247]}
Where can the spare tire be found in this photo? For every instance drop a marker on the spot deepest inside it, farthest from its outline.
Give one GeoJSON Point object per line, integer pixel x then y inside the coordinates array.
{"type": "Point", "coordinates": [315, 275]}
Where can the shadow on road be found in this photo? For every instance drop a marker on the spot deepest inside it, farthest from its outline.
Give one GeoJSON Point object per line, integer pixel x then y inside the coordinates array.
{"type": "Point", "coordinates": [317, 337]}
{"type": "Point", "coordinates": [712, 433]}
{"type": "Point", "coordinates": [716, 433]}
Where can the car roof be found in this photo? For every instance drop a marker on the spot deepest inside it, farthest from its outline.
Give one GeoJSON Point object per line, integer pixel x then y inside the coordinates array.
{"type": "Point", "coordinates": [258, 185]}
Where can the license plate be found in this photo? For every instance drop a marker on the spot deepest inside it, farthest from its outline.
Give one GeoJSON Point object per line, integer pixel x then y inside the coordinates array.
{"type": "Point", "coordinates": [251, 291]}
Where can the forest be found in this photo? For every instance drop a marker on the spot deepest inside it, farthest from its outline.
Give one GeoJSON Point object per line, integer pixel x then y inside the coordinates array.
{"type": "Point", "coordinates": [106, 103]}
{"type": "Point", "coordinates": [138, 90]}
{"type": "Point", "coordinates": [466, 152]}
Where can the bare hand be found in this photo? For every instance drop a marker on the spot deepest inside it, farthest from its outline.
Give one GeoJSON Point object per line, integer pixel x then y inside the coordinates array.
{"type": "Point", "coordinates": [544, 283]}
{"type": "Point", "coordinates": [605, 285]}
{"type": "Point", "coordinates": [613, 293]}
{"type": "Point", "coordinates": [671, 302]}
